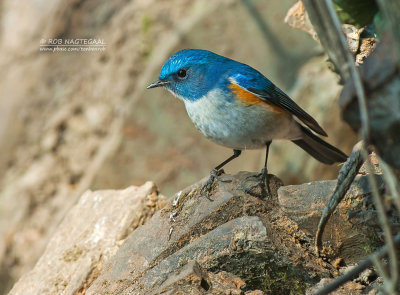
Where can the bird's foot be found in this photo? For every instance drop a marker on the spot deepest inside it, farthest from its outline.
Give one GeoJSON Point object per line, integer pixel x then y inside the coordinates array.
{"type": "Point", "coordinates": [262, 180]}
{"type": "Point", "coordinates": [214, 174]}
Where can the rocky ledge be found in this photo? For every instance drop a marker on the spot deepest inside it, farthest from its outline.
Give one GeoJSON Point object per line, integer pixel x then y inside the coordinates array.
{"type": "Point", "coordinates": [232, 243]}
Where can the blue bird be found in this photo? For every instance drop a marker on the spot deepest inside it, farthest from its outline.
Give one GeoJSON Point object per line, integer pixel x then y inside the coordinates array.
{"type": "Point", "coordinates": [234, 105]}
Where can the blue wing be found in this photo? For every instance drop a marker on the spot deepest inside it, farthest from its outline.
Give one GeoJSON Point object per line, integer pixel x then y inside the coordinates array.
{"type": "Point", "coordinates": [254, 82]}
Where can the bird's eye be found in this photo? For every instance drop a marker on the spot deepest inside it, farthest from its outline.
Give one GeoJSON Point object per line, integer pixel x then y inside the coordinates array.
{"type": "Point", "coordinates": [182, 73]}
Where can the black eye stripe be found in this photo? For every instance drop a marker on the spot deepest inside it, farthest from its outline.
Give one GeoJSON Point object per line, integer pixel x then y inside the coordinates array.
{"type": "Point", "coordinates": [181, 73]}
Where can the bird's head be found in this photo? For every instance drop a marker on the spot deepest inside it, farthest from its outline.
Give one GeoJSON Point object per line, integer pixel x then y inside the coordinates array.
{"type": "Point", "coordinates": [191, 73]}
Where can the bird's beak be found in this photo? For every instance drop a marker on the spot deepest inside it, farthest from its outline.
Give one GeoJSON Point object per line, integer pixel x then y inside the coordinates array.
{"type": "Point", "coordinates": [158, 83]}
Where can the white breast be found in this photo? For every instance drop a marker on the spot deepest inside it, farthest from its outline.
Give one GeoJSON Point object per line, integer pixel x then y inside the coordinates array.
{"type": "Point", "coordinates": [235, 124]}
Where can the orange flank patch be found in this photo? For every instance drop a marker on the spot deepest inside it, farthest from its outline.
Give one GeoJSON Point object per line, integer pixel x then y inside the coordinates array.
{"type": "Point", "coordinates": [250, 98]}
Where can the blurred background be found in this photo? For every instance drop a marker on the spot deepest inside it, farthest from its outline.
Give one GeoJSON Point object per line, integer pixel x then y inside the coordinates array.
{"type": "Point", "coordinates": [72, 121]}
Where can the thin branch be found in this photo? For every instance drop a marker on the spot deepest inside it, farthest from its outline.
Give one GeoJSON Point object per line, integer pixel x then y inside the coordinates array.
{"type": "Point", "coordinates": [355, 272]}
{"type": "Point", "coordinates": [346, 176]}
{"type": "Point", "coordinates": [354, 73]}
{"type": "Point", "coordinates": [348, 69]}
{"type": "Point", "coordinates": [383, 220]}
{"type": "Point", "coordinates": [380, 269]}
{"type": "Point", "coordinates": [364, 132]}
{"type": "Point", "coordinates": [330, 33]}
{"type": "Point", "coordinates": [327, 25]}
{"type": "Point", "coordinates": [325, 28]}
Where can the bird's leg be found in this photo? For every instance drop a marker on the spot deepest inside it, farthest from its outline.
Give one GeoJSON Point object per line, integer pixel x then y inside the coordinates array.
{"type": "Point", "coordinates": [264, 171]}
{"type": "Point", "coordinates": [263, 175]}
{"type": "Point", "coordinates": [214, 173]}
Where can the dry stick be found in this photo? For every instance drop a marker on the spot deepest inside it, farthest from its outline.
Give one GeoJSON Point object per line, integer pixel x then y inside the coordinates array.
{"type": "Point", "coordinates": [327, 25]}
{"type": "Point", "coordinates": [354, 272]}
{"type": "Point", "coordinates": [385, 224]}
{"type": "Point", "coordinates": [356, 78]}
{"type": "Point", "coordinates": [329, 31]}
{"type": "Point", "coordinates": [328, 35]}
{"type": "Point", "coordinates": [325, 20]}
{"type": "Point", "coordinates": [346, 176]}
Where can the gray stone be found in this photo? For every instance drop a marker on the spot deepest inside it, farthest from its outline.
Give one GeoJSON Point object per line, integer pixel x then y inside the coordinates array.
{"type": "Point", "coordinates": [234, 233]}
{"type": "Point", "coordinates": [90, 233]}
{"type": "Point", "coordinates": [352, 229]}
{"type": "Point", "coordinates": [229, 244]}
{"type": "Point", "coordinates": [244, 234]}
{"type": "Point", "coordinates": [380, 74]}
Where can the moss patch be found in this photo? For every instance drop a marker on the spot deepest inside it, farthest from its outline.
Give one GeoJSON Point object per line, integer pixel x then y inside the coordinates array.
{"type": "Point", "coordinates": [264, 272]}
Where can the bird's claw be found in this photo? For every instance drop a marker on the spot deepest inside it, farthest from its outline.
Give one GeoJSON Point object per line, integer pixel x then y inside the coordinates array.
{"type": "Point", "coordinates": [214, 174]}
{"type": "Point", "coordinates": [264, 182]}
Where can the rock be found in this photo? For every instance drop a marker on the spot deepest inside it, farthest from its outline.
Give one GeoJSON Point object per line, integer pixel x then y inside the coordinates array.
{"type": "Point", "coordinates": [298, 18]}
{"type": "Point", "coordinates": [226, 283]}
{"type": "Point", "coordinates": [232, 243]}
{"type": "Point", "coordinates": [381, 80]}
{"type": "Point", "coordinates": [255, 292]}
{"type": "Point", "coordinates": [235, 233]}
{"type": "Point", "coordinates": [190, 279]}
{"type": "Point", "coordinates": [90, 233]}
{"type": "Point", "coordinates": [351, 229]}
{"type": "Point", "coordinates": [364, 169]}
{"type": "Point", "coordinates": [348, 288]}
{"type": "Point", "coordinates": [237, 237]}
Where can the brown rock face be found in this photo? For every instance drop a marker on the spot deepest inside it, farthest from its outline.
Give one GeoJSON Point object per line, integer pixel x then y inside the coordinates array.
{"type": "Point", "coordinates": [232, 243]}
{"type": "Point", "coordinates": [90, 234]}
{"type": "Point", "coordinates": [352, 227]}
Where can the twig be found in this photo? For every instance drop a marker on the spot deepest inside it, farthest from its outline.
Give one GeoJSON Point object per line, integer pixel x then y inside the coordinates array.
{"type": "Point", "coordinates": [385, 224]}
{"type": "Point", "coordinates": [327, 25]}
{"type": "Point", "coordinates": [332, 38]}
{"type": "Point", "coordinates": [364, 133]}
{"type": "Point", "coordinates": [324, 13]}
{"type": "Point", "coordinates": [346, 176]}
{"type": "Point", "coordinates": [354, 74]}
{"type": "Point", "coordinates": [354, 272]}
